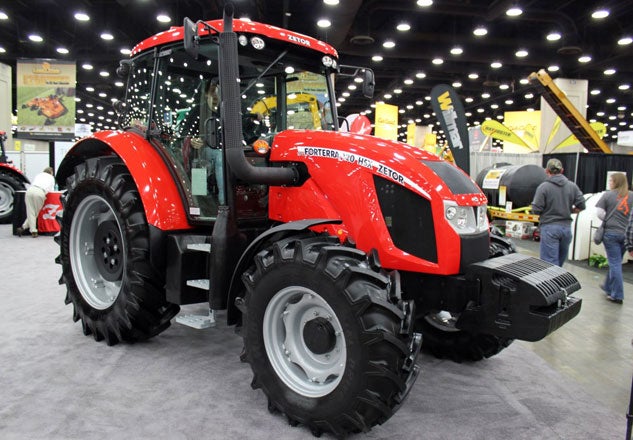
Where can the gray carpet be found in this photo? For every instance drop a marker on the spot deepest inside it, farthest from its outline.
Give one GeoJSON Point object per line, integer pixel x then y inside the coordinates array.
{"type": "Point", "coordinates": [56, 383]}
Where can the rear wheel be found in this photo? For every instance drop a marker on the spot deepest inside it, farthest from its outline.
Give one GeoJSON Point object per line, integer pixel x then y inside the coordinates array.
{"type": "Point", "coordinates": [8, 186]}
{"type": "Point", "coordinates": [104, 253]}
{"type": "Point", "coordinates": [327, 337]}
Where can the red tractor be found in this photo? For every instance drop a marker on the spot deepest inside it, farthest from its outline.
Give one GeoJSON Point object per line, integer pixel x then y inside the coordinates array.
{"type": "Point", "coordinates": [11, 180]}
{"type": "Point", "coordinates": [331, 252]}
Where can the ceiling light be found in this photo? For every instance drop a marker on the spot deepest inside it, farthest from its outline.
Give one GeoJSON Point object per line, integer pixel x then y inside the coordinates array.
{"type": "Point", "coordinates": [376, 58]}
{"type": "Point", "coordinates": [397, 91]}
{"type": "Point", "coordinates": [625, 41]}
{"type": "Point", "coordinates": [584, 59]}
{"type": "Point", "coordinates": [521, 53]}
{"type": "Point", "coordinates": [553, 68]}
{"type": "Point", "coordinates": [609, 71]}
{"type": "Point", "coordinates": [595, 92]}
{"type": "Point", "coordinates": [82, 16]}
{"type": "Point", "coordinates": [389, 44]}
{"type": "Point", "coordinates": [624, 86]}
{"type": "Point", "coordinates": [331, 2]}
{"type": "Point", "coordinates": [107, 36]}
{"type": "Point", "coordinates": [529, 95]}
{"type": "Point", "coordinates": [35, 38]}
{"type": "Point", "coordinates": [509, 101]}
{"type": "Point", "coordinates": [125, 51]}
{"type": "Point", "coordinates": [86, 66]}
{"type": "Point", "coordinates": [420, 75]}
{"type": "Point", "coordinates": [514, 11]}
{"type": "Point", "coordinates": [480, 31]}
{"type": "Point", "coordinates": [2, 49]}
{"type": "Point", "coordinates": [485, 95]}
{"type": "Point", "coordinates": [358, 79]}
{"type": "Point", "coordinates": [324, 23]}
{"type": "Point", "coordinates": [553, 36]}
{"type": "Point", "coordinates": [494, 106]}
{"type": "Point", "coordinates": [403, 27]}
{"type": "Point", "coordinates": [496, 65]}
{"type": "Point", "coordinates": [610, 100]}
{"type": "Point", "coordinates": [504, 86]}
{"type": "Point", "coordinates": [457, 84]}
{"type": "Point", "coordinates": [408, 81]}
{"type": "Point", "coordinates": [600, 13]}
{"type": "Point", "coordinates": [457, 50]}
{"type": "Point", "coordinates": [468, 99]}
{"type": "Point", "coordinates": [437, 61]}
{"type": "Point", "coordinates": [104, 74]}
{"type": "Point", "coordinates": [473, 75]}
{"type": "Point", "coordinates": [3, 15]}
{"type": "Point", "coordinates": [163, 18]}
{"type": "Point", "coordinates": [62, 50]}
{"type": "Point", "coordinates": [424, 3]}
{"type": "Point", "coordinates": [352, 87]}
{"type": "Point", "coordinates": [387, 96]}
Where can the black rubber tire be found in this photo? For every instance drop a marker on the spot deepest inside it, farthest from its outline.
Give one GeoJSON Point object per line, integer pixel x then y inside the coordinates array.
{"type": "Point", "coordinates": [10, 185]}
{"type": "Point", "coordinates": [459, 346]}
{"type": "Point", "coordinates": [380, 348]}
{"type": "Point", "coordinates": [139, 310]}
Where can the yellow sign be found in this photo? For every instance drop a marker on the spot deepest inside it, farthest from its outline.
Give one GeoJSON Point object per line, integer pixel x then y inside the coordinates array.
{"type": "Point", "coordinates": [497, 130]}
{"type": "Point", "coordinates": [598, 127]}
{"type": "Point", "coordinates": [526, 125]}
{"type": "Point", "coordinates": [411, 134]}
{"type": "Point", "coordinates": [386, 121]}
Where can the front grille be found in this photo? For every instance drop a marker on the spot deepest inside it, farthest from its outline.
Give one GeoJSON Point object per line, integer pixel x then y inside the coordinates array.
{"type": "Point", "coordinates": [409, 219]}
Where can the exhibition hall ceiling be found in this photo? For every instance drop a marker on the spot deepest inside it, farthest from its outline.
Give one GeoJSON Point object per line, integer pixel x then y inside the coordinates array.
{"type": "Point", "coordinates": [485, 49]}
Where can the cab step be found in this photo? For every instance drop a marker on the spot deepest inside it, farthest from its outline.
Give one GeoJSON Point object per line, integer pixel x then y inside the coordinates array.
{"type": "Point", "coordinates": [199, 322]}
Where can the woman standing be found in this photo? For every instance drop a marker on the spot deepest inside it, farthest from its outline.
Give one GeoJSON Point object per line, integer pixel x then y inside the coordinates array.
{"type": "Point", "coordinates": [615, 206]}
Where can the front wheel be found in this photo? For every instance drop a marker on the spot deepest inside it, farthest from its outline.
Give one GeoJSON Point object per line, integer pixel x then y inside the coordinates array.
{"type": "Point", "coordinates": [104, 253]}
{"type": "Point", "coordinates": [328, 338]}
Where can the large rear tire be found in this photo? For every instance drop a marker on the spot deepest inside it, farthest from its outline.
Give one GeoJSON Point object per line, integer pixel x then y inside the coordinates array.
{"type": "Point", "coordinates": [328, 338]}
{"type": "Point", "coordinates": [8, 186]}
{"type": "Point", "coordinates": [104, 253]}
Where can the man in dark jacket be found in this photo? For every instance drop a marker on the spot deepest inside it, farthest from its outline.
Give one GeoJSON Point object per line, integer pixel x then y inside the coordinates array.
{"type": "Point", "coordinates": [554, 201]}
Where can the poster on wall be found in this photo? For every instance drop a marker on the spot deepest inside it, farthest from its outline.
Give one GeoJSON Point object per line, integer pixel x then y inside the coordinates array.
{"type": "Point", "coordinates": [46, 99]}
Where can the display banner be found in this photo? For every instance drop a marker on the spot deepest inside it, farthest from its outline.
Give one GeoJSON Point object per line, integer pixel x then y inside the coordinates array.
{"type": "Point", "coordinates": [499, 131]}
{"type": "Point", "coordinates": [526, 125]}
{"type": "Point", "coordinates": [598, 127]}
{"type": "Point", "coordinates": [46, 99]}
{"type": "Point", "coordinates": [449, 111]}
{"type": "Point", "coordinates": [411, 134]}
{"type": "Point", "coordinates": [386, 125]}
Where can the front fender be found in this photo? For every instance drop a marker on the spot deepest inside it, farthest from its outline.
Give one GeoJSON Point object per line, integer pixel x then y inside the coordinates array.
{"type": "Point", "coordinates": [256, 245]}
{"type": "Point", "coordinates": [159, 193]}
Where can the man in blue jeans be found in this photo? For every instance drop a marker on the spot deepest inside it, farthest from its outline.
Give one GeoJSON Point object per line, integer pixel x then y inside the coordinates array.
{"type": "Point", "coordinates": [554, 201]}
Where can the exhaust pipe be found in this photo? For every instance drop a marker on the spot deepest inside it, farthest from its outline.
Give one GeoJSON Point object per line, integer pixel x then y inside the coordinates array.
{"type": "Point", "coordinates": [232, 118]}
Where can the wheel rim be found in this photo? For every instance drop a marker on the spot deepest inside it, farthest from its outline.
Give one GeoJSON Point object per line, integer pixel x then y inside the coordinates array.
{"type": "Point", "coordinates": [442, 320]}
{"type": "Point", "coordinates": [6, 198]}
{"type": "Point", "coordinates": [97, 252]}
{"type": "Point", "coordinates": [310, 366]}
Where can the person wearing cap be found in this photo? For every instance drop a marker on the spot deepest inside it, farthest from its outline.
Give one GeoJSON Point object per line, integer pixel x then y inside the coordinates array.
{"type": "Point", "coordinates": [614, 209]}
{"type": "Point", "coordinates": [554, 201]}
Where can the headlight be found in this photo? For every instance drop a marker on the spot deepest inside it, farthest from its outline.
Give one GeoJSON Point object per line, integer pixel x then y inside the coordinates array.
{"type": "Point", "coordinates": [466, 219]}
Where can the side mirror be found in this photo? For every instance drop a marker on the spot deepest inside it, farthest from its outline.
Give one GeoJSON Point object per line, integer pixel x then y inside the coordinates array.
{"type": "Point", "coordinates": [124, 68]}
{"type": "Point", "coordinates": [119, 107]}
{"type": "Point", "coordinates": [191, 40]}
{"type": "Point", "coordinates": [368, 83]}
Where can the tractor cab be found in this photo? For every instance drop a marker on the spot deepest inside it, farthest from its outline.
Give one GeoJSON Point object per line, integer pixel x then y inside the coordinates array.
{"type": "Point", "coordinates": [169, 101]}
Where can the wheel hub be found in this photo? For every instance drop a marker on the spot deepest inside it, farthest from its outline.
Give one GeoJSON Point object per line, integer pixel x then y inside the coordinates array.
{"type": "Point", "coordinates": [319, 336]}
{"type": "Point", "coordinates": [107, 247]}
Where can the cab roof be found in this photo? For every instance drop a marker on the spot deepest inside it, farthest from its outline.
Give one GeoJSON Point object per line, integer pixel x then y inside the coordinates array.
{"type": "Point", "coordinates": [176, 33]}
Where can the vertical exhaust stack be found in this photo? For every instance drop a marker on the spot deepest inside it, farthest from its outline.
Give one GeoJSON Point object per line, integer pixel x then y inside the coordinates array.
{"type": "Point", "coordinates": [232, 117]}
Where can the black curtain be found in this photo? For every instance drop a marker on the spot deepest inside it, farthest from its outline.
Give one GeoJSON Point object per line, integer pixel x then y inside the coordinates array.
{"type": "Point", "coordinates": [591, 176]}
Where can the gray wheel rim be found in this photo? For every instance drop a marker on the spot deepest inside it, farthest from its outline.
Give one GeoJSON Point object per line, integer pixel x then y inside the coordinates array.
{"type": "Point", "coordinates": [304, 372]}
{"type": "Point", "coordinates": [94, 288]}
{"type": "Point", "coordinates": [6, 197]}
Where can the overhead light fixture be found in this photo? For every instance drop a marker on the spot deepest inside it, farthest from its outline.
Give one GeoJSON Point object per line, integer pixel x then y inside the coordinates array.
{"type": "Point", "coordinates": [553, 36]}
{"type": "Point", "coordinates": [331, 2]}
{"type": "Point", "coordinates": [403, 27]}
{"type": "Point", "coordinates": [496, 64]}
{"type": "Point", "coordinates": [457, 50]}
{"type": "Point", "coordinates": [82, 16]}
{"type": "Point", "coordinates": [3, 15]}
{"type": "Point", "coordinates": [376, 58]}
{"type": "Point", "coordinates": [521, 53]}
{"type": "Point", "coordinates": [324, 23]}
{"type": "Point", "coordinates": [584, 59]}
{"type": "Point", "coordinates": [609, 71]}
{"type": "Point", "coordinates": [389, 44]}
{"type": "Point", "coordinates": [553, 68]}
{"type": "Point", "coordinates": [514, 11]}
{"type": "Point", "coordinates": [480, 31]}
{"type": "Point", "coordinates": [473, 75]}
{"type": "Point", "coordinates": [624, 41]}
{"type": "Point", "coordinates": [36, 38]}
{"type": "Point", "coordinates": [424, 3]}
{"type": "Point", "coordinates": [107, 36]}
{"type": "Point", "coordinates": [163, 18]}
{"type": "Point", "coordinates": [599, 14]}
{"type": "Point", "coordinates": [62, 50]}
{"type": "Point", "coordinates": [437, 61]}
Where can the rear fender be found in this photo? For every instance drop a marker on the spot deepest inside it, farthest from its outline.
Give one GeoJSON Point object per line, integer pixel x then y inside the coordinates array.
{"type": "Point", "coordinates": [159, 193]}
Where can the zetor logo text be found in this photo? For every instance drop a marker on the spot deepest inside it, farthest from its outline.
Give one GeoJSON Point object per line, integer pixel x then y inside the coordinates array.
{"type": "Point", "coordinates": [299, 40]}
